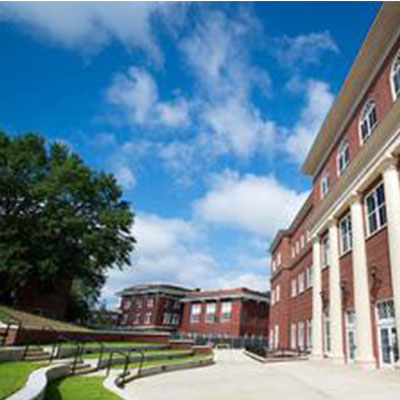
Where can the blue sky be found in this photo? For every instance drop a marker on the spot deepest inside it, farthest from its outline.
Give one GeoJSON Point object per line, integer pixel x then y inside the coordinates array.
{"type": "Point", "coordinates": [204, 111]}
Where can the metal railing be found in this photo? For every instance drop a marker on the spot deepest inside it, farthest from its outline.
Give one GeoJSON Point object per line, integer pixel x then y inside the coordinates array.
{"type": "Point", "coordinates": [88, 339]}
{"type": "Point", "coordinates": [120, 380]}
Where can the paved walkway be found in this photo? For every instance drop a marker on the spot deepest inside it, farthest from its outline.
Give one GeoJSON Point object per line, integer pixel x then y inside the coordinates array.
{"type": "Point", "coordinates": [237, 377]}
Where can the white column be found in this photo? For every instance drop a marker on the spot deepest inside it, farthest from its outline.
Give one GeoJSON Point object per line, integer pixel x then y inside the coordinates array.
{"type": "Point", "coordinates": [335, 295]}
{"type": "Point", "coordinates": [362, 305]}
{"type": "Point", "coordinates": [392, 199]}
{"type": "Point", "coordinates": [316, 301]}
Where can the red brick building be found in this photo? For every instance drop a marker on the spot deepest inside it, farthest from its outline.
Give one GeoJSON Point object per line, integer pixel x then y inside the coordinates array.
{"type": "Point", "coordinates": [152, 307]}
{"type": "Point", "coordinates": [335, 272]}
{"type": "Point", "coordinates": [230, 313]}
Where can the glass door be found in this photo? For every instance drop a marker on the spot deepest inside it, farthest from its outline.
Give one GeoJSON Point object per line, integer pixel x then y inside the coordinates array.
{"type": "Point", "coordinates": [388, 343]}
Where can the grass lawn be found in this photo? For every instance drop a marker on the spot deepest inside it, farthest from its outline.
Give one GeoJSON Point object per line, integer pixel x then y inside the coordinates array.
{"type": "Point", "coordinates": [79, 388]}
{"type": "Point", "coordinates": [13, 376]}
{"type": "Point", "coordinates": [134, 354]}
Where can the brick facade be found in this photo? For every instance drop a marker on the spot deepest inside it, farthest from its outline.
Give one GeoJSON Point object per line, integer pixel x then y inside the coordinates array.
{"type": "Point", "coordinates": [249, 314]}
{"type": "Point", "coordinates": [371, 163]}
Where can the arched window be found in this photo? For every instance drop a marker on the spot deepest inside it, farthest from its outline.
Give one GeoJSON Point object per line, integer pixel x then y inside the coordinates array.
{"type": "Point", "coordinates": [395, 77]}
{"type": "Point", "coordinates": [368, 120]}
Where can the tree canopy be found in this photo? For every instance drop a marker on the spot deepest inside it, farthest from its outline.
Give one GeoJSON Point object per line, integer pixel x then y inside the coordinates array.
{"type": "Point", "coordinates": [58, 217]}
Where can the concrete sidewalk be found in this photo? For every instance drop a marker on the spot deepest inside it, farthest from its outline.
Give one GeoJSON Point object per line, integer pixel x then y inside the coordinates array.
{"type": "Point", "coordinates": [237, 377]}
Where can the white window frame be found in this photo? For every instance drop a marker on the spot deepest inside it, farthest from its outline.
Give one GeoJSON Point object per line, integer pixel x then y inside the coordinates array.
{"type": "Point", "coordinates": [300, 284]}
{"type": "Point", "coordinates": [138, 303]}
{"type": "Point", "coordinates": [395, 73]}
{"type": "Point", "coordinates": [278, 293]}
{"type": "Point", "coordinates": [150, 302]}
{"type": "Point", "coordinates": [293, 287]}
{"type": "Point", "coordinates": [300, 334]}
{"type": "Point", "coordinates": [325, 251]}
{"type": "Point", "coordinates": [343, 156]}
{"type": "Point", "coordinates": [302, 241]}
{"type": "Point", "coordinates": [195, 316]}
{"type": "Point", "coordinates": [324, 185]}
{"type": "Point", "coordinates": [272, 297]}
{"type": "Point", "coordinates": [379, 212]}
{"type": "Point", "coordinates": [365, 118]}
{"type": "Point", "coordinates": [297, 247]}
{"type": "Point", "coordinates": [127, 304]}
{"type": "Point", "coordinates": [278, 259]}
{"type": "Point", "coordinates": [147, 318]}
{"type": "Point", "coordinates": [211, 309]}
{"type": "Point", "coordinates": [346, 234]}
{"type": "Point", "coordinates": [167, 318]}
{"type": "Point", "coordinates": [225, 314]}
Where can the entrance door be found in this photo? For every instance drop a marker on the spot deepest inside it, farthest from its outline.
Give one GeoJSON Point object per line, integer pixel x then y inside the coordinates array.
{"type": "Point", "coordinates": [388, 344]}
{"type": "Point", "coordinates": [351, 345]}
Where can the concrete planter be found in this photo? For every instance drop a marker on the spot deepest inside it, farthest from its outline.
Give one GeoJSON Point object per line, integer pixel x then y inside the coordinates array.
{"type": "Point", "coordinates": [35, 387]}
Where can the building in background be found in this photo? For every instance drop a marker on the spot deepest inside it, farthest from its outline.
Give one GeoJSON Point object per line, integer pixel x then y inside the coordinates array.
{"type": "Point", "coordinates": [335, 273]}
{"type": "Point", "coordinates": [152, 307]}
{"type": "Point", "coordinates": [230, 313]}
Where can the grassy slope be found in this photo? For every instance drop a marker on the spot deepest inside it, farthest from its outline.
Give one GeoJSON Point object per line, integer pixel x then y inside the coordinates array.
{"type": "Point", "coordinates": [35, 321]}
{"type": "Point", "coordinates": [13, 376]}
{"type": "Point", "coordinates": [79, 388]}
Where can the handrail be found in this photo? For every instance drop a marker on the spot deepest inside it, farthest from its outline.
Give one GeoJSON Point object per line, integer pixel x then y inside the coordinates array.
{"type": "Point", "coordinates": [89, 339]}
{"type": "Point", "coordinates": [11, 320]}
{"type": "Point", "coordinates": [127, 355]}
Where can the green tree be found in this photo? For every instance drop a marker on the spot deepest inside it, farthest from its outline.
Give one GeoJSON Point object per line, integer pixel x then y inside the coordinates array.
{"type": "Point", "coordinates": [58, 217]}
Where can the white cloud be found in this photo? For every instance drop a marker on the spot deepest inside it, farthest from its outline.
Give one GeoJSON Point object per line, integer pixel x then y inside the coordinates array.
{"type": "Point", "coordinates": [88, 26]}
{"type": "Point", "coordinates": [303, 49]}
{"type": "Point", "coordinates": [257, 204]}
{"type": "Point", "coordinates": [239, 127]}
{"type": "Point", "coordinates": [319, 99]}
{"type": "Point", "coordinates": [172, 250]}
{"type": "Point", "coordinates": [125, 176]}
{"type": "Point", "coordinates": [136, 95]}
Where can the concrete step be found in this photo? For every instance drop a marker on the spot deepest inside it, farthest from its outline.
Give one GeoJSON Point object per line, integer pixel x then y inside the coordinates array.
{"type": "Point", "coordinates": [37, 356]}
{"type": "Point", "coordinates": [84, 369]}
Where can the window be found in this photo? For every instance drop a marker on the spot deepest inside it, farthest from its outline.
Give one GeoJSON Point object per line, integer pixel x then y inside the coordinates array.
{"type": "Point", "coordinates": [226, 310]}
{"type": "Point", "coordinates": [375, 209]}
{"type": "Point", "coordinates": [346, 240]}
{"type": "Point", "coordinates": [138, 303]}
{"type": "Point", "coordinates": [210, 312]}
{"type": "Point", "coordinates": [273, 266]}
{"type": "Point", "coordinates": [195, 313]}
{"type": "Point", "coordinates": [308, 277]}
{"type": "Point", "coordinates": [278, 293]}
{"type": "Point", "coordinates": [150, 302]}
{"type": "Point", "coordinates": [301, 282]}
{"type": "Point", "coordinates": [293, 252]}
{"type": "Point", "coordinates": [272, 297]}
{"type": "Point", "coordinates": [309, 333]}
{"type": "Point", "coordinates": [278, 259]}
{"type": "Point", "coordinates": [343, 156]}
{"type": "Point", "coordinates": [327, 332]}
{"type": "Point", "coordinates": [367, 121]}
{"type": "Point", "coordinates": [302, 241]}
{"type": "Point", "coordinates": [325, 251]}
{"type": "Point", "coordinates": [300, 334]}
{"type": "Point", "coordinates": [395, 77]}
{"type": "Point", "coordinates": [297, 247]}
{"type": "Point", "coordinates": [167, 319]}
{"type": "Point", "coordinates": [127, 304]}
{"type": "Point", "coordinates": [293, 335]}
{"type": "Point", "coordinates": [276, 341]}
{"type": "Point", "coordinates": [386, 310]}
{"type": "Point", "coordinates": [324, 186]}
{"type": "Point", "coordinates": [175, 319]}
{"type": "Point", "coordinates": [147, 318]}
{"type": "Point", "coordinates": [294, 287]}
{"type": "Point", "coordinates": [177, 304]}
{"type": "Point", "coordinates": [137, 319]}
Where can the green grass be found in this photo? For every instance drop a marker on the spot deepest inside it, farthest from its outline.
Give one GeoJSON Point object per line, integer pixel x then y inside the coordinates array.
{"type": "Point", "coordinates": [13, 376]}
{"type": "Point", "coordinates": [117, 344]}
{"type": "Point", "coordinates": [91, 356]}
{"type": "Point", "coordinates": [79, 388]}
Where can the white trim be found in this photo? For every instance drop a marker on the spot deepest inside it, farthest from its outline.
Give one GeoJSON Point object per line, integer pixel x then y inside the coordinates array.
{"type": "Point", "coordinates": [369, 107]}
{"type": "Point", "coordinates": [366, 213]}
{"type": "Point", "coordinates": [395, 95]}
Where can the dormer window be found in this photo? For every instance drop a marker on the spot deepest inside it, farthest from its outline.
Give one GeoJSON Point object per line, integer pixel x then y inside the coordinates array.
{"type": "Point", "coordinates": [343, 156]}
{"type": "Point", "coordinates": [324, 185]}
{"type": "Point", "coordinates": [368, 121]}
{"type": "Point", "coordinates": [395, 77]}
